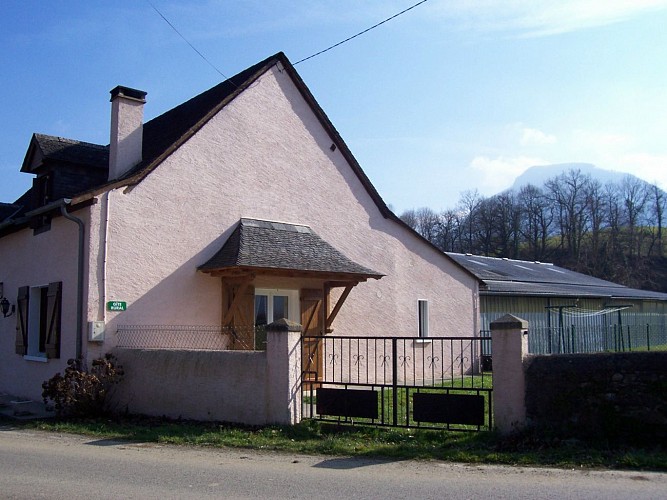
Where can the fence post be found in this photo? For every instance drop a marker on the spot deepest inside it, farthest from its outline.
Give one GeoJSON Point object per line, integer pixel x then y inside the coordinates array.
{"type": "Point", "coordinates": [283, 373]}
{"type": "Point", "coordinates": [509, 341]}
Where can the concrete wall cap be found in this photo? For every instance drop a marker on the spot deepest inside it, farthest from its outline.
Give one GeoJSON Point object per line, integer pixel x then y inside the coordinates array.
{"type": "Point", "coordinates": [509, 322]}
{"type": "Point", "coordinates": [283, 325]}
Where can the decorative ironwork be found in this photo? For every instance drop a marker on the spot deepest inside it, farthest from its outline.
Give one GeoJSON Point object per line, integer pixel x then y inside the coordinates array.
{"type": "Point", "coordinates": [358, 358]}
{"type": "Point", "coordinates": [461, 359]}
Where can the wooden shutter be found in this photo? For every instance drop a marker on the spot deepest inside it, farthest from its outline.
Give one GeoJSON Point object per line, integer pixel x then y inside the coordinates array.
{"type": "Point", "coordinates": [244, 314]}
{"type": "Point", "coordinates": [311, 312]}
{"type": "Point", "coordinates": [311, 325]}
{"type": "Point", "coordinates": [238, 315]}
{"type": "Point", "coordinates": [22, 321]}
{"type": "Point", "coordinates": [53, 305]}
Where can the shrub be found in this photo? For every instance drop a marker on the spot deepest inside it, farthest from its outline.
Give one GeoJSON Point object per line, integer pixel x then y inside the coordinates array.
{"type": "Point", "coordinates": [80, 392]}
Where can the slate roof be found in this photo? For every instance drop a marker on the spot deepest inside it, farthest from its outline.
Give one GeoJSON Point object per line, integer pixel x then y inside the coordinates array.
{"type": "Point", "coordinates": [7, 210]}
{"type": "Point", "coordinates": [518, 277]}
{"type": "Point", "coordinates": [166, 133]}
{"type": "Point", "coordinates": [275, 245]}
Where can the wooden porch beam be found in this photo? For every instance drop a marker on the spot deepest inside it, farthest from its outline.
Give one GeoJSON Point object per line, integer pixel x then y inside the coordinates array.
{"type": "Point", "coordinates": [326, 305]}
{"type": "Point", "coordinates": [338, 305]}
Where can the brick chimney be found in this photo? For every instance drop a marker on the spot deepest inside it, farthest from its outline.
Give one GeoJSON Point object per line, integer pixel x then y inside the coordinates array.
{"type": "Point", "coordinates": [127, 117]}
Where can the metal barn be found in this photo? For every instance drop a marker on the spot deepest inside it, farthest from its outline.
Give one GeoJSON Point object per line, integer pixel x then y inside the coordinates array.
{"type": "Point", "coordinates": [568, 311]}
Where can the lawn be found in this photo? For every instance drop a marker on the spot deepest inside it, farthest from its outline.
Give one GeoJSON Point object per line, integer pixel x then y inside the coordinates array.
{"type": "Point", "coordinates": [320, 438]}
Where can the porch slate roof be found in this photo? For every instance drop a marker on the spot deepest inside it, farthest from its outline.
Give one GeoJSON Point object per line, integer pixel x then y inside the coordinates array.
{"type": "Point", "coordinates": [275, 245]}
{"type": "Point", "coordinates": [519, 277]}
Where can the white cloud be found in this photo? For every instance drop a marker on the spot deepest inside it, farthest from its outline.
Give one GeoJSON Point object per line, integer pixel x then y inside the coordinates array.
{"type": "Point", "coordinates": [532, 137]}
{"type": "Point", "coordinates": [497, 174]}
{"type": "Point", "coordinates": [544, 17]}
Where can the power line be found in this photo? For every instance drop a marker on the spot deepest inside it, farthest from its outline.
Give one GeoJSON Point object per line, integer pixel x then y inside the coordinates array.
{"type": "Point", "coordinates": [187, 41]}
{"type": "Point", "coordinates": [360, 33]}
{"type": "Point", "coordinates": [300, 60]}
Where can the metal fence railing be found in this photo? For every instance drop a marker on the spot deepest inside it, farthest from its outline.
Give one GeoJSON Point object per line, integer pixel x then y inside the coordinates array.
{"type": "Point", "coordinates": [573, 339]}
{"type": "Point", "coordinates": [613, 338]}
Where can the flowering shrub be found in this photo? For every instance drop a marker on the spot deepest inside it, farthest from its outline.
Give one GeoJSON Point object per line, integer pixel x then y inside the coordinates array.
{"type": "Point", "coordinates": [80, 392]}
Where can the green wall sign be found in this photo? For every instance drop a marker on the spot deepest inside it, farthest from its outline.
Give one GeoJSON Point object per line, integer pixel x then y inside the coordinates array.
{"type": "Point", "coordinates": [116, 305]}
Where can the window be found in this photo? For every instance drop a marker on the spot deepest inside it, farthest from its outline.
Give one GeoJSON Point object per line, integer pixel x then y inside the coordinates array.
{"type": "Point", "coordinates": [38, 321]}
{"type": "Point", "coordinates": [423, 317]}
{"type": "Point", "coordinates": [273, 304]}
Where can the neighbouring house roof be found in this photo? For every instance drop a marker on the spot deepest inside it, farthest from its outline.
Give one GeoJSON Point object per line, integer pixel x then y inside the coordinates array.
{"type": "Point", "coordinates": [80, 166]}
{"type": "Point", "coordinates": [260, 245]}
{"type": "Point", "coordinates": [67, 151]}
{"type": "Point", "coordinates": [518, 277]}
{"type": "Point", "coordinates": [8, 210]}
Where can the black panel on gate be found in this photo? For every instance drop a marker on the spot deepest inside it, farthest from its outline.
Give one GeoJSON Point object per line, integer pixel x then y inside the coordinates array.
{"type": "Point", "coordinates": [448, 408]}
{"type": "Point", "coordinates": [347, 403]}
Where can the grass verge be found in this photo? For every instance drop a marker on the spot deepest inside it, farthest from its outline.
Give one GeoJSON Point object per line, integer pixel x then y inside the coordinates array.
{"type": "Point", "coordinates": [317, 438]}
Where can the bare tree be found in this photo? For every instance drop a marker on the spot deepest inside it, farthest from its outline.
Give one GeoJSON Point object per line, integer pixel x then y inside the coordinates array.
{"type": "Point", "coordinates": [536, 221]}
{"type": "Point", "coordinates": [658, 204]}
{"type": "Point", "coordinates": [425, 221]}
{"type": "Point", "coordinates": [450, 234]}
{"type": "Point", "coordinates": [468, 205]}
{"type": "Point", "coordinates": [597, 215]}
{"type": "Point", "coordinates": [410, 218]}
{"type": "Point", "coordinates": [508, 221]}
{"type": "Point", "coordinates": [567, 192]}
{"type": "Point", "coordinates": [634, 194]}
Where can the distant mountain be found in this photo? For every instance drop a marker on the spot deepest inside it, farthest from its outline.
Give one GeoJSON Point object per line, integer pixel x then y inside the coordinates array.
{"type": "Point", "coordinates": [539, 174]}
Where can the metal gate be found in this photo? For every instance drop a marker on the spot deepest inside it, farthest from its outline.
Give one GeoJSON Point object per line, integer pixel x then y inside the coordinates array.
{"type": "Point", "coordinates": [436, 382]}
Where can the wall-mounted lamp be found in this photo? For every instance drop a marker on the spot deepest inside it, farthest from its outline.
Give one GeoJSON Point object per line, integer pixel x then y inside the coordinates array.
{"type": "Point", "coordinates": [4, 303]}
{"type": "Point", "coordinates": [5, 307]}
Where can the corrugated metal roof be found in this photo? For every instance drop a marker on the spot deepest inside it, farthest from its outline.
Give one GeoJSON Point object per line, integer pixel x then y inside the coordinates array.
{"type": "Point", "coordinates": [518, 277]}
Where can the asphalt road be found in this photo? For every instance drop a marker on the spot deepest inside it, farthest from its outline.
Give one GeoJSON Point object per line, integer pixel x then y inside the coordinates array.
{"type": "Point", "coordinates": [45, 465]}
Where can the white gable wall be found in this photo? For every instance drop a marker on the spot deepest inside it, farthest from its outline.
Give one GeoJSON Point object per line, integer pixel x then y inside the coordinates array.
{"type": "Point", "coordinates": [266, 156]}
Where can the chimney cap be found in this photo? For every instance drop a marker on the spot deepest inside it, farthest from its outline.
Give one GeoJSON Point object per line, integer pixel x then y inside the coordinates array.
{"type": "Point", "coordinates": [129, 93]}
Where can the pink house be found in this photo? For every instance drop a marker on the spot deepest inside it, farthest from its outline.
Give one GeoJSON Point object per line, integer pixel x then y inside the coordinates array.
{"type": "Point", "coordinates": [233, 209]}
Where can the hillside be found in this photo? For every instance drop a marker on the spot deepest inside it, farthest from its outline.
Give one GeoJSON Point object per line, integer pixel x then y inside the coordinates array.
{"type": "Point", "coordinates": [539, 174]}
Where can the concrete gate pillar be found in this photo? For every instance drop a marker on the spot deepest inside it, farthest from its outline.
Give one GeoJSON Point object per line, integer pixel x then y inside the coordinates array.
{"type": "Point", "coordinates": [283, 355]}
{"type": "Point", "coordinates": [509, 344]}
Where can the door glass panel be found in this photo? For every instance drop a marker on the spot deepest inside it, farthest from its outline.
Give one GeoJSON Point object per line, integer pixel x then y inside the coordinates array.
{"type": "Point", "coordinates": [280, 307]}
{"type": "Point", "coordinates": [261, 309]}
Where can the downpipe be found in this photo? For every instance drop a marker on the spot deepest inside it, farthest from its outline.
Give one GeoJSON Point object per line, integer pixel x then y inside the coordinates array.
{"type": "Point", "coordinates": [79, 284]}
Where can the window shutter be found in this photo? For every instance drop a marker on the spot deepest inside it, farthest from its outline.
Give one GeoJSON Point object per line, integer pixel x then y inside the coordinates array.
{"type": "Point", "coordinates": [22, 321]}
{"type": "Point", "coordinates": [54, 299]}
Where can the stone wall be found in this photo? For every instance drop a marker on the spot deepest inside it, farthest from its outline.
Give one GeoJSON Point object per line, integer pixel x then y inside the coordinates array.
{"type": "Point", "coordinates": [247, 387]}
{"type": "Point", "coordinates": [614, 397]}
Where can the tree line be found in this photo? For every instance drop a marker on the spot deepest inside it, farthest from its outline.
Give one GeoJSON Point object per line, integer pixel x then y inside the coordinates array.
{"type": "Point", "coordinates": [613, 231]}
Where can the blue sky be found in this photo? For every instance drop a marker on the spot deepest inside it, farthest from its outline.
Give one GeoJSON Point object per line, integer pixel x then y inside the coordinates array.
{"type": "Point", "coordinates": [452, 96]}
